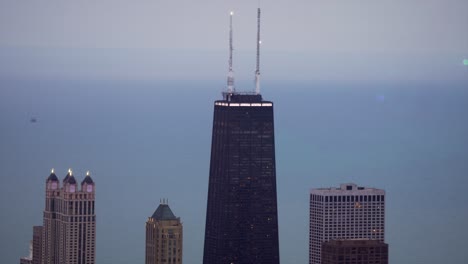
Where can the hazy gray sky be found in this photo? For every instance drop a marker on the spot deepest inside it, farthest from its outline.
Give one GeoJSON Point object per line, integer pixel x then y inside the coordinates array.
{"type": "Point", "coordinates": [411, 39]}
{"type": "Point", "coordinates": [143, 141]}
{"type": "Point", "coordinates": [412, 143]}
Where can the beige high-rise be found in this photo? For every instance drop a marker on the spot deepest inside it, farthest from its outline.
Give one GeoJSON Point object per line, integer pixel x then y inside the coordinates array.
{"type": "Point", "coordinates": [69, 231]}
{"type": "Point", "coordinates": [163, 237]}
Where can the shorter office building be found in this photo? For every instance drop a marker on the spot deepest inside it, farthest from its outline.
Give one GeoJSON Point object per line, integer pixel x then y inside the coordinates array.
{"type": "Point", "coordinates": [163, 237]}
{"type": "Point", "coordinates": [347, 212]}
{"type": "Point", "coordinates": [354, 251]}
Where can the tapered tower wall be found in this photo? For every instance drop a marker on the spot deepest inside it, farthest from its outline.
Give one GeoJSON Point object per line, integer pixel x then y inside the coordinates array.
{"type": "Point", "coordinates": [242, 219]}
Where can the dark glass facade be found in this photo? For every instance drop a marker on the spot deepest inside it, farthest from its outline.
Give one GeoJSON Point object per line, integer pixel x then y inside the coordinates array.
{"type": "Point", "coordinates": [242, 218]}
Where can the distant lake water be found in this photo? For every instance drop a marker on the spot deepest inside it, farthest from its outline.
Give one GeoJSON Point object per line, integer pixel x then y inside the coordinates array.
{"type": "Point", "coordinates": [143, 141]}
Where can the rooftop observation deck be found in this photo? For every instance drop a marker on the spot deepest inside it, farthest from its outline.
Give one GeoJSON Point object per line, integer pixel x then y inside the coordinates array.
{"type": "Point", "coordinates": [244, 99]}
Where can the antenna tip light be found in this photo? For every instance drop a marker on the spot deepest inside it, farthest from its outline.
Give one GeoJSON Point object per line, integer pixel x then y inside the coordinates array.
{"type": "Point", "coordinates": [232, 13]}
{"type": "Point", "coordinates": [52, 170]}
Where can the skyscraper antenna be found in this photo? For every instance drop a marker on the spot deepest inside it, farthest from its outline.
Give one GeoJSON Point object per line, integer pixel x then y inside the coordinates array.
{"type": "Point", "coordinates": [257, 70]}
{"type": "Point", "coordinates": [230, 78]}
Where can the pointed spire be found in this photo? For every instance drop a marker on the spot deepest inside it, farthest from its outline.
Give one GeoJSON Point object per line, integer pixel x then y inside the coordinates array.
{"type": "Point", "coordinates": [52, 176]}
{"type": "Point", "coordinates": [67, 176]}
{"type": "Point", "coordinates": [71, 179]}
{"type": "Point", "coordinates": [87, 179]}
{"type": "Point", "coordinates": [230, 78]}
{"type": "Point", "coordinates": [257, 69]}
{"type": "Point", "coordinates": [163, 212]}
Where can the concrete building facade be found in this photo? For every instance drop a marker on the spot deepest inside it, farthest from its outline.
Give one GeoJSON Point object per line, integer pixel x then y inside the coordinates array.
{"type": "Point", "coordinates": [347, 212]}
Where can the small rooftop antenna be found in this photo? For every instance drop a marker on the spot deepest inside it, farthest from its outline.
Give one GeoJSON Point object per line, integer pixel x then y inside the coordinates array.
{"type": "Point", "coordinates": [257, 69]}
{"type": "Point", "coordinates": [230, 78]}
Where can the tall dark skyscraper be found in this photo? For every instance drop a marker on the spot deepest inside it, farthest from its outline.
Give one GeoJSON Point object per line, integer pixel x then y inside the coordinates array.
{"type": "Point", "coordinates": [242, 218]}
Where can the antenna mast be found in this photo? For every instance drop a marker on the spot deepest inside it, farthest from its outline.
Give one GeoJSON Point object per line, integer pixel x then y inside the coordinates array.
{"type": "Point", "coordinates": [257, 70]}
{"type": "Point", "coordinates": [230, 78]}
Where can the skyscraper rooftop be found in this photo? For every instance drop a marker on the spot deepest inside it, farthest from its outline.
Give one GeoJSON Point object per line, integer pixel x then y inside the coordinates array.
{"type": "Point", "coordinates": [163, 212]}
{"type": "Point", "coordinates": [164, 237]}
{"type": "Point", "coordinates": [347, 188]}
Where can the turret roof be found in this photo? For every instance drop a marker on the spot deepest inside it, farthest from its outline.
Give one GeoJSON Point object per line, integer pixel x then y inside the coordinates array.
{"type": "Point", "coordinates": [71, 180]}
{"type": "Point", "coordinates": [66, 177]}
{"type": "Point", "coordinates": [87, 180]}
{"type": "Point", "coordinates": [52, 177]}
{"type": "Point", "coordinates": [163, 213]}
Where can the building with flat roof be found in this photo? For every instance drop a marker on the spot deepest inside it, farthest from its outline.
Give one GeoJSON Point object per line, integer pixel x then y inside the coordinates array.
{"type": "Point", "coordinates": [241, 215]}
{"type": "Point", "coordinates": [347, 212]}
{"type": "Point", "coordinates": [242, 218]}
{"type": "Point", "coordinates": [354, 251]}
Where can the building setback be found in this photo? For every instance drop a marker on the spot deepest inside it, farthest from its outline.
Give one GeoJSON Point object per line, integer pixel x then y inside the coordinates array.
{"type": "Point", "coordinates": [359, 251]}
{"type": "Point", "coordinates": [348, 212]}
{"type": "Point", "coordinates": [164, 237]}
{"type": "Point", "coordinates": [69, 230]}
